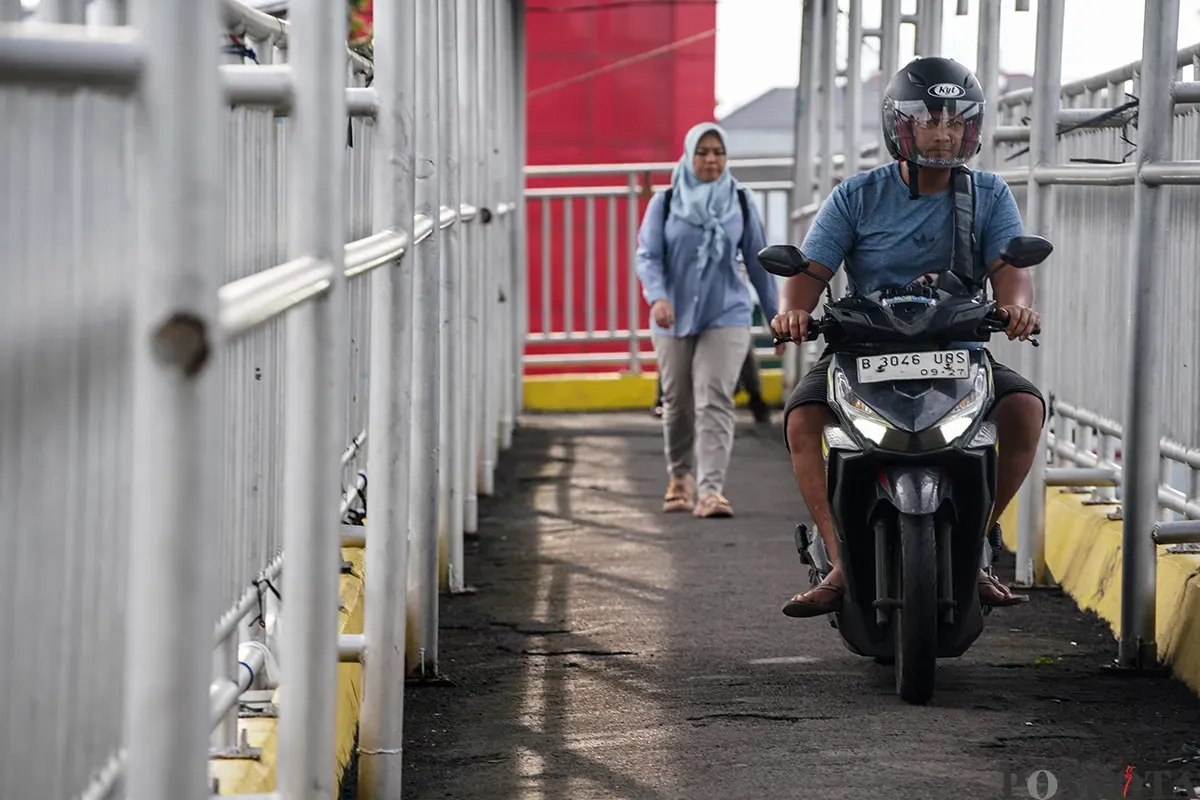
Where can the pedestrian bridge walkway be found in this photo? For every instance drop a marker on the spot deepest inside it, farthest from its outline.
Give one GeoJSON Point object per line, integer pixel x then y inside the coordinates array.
{"type": "Point", "coordinates": [272, 302]}
{"type": "Point", "coordinates": [610, 650]}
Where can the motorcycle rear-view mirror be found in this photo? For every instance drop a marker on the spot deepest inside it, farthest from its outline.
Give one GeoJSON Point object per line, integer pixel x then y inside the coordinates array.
{"type": "Point", "coordinates": [784, 260]}
{"type": "Point", "coordinates": [1026, 251]}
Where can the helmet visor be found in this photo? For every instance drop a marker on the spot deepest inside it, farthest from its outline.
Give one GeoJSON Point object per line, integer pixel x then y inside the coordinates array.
{"type": "Point", "coordinates": [942, 133]}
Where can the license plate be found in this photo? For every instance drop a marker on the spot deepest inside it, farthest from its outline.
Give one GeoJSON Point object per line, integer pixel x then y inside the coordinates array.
{"type": "Point", "coordinates": [914, 366]}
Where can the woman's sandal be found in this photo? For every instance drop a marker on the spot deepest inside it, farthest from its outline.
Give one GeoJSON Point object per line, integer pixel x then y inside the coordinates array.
{"type": "Point", "coordinates": [823, 599]}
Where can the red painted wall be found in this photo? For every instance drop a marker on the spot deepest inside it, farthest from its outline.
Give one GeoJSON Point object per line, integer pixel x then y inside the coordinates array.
{"type": "Point", "coordinates": [599, 93]}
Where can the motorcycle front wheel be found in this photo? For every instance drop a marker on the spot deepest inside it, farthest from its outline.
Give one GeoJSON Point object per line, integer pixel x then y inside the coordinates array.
{"type": "Point", "coordinates": [915, 622]}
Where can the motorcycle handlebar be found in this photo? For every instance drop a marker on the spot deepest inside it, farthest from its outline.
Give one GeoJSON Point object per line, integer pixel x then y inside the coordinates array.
{"type": "Point", "coordinates": [816, 327]}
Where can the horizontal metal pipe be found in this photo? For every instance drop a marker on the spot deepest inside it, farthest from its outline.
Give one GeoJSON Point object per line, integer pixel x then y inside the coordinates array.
{"type": "Point", "coordinates": [353, 448]}
{"type": "Point", "coordinates": [364, 255]}
{"type": "Point", "coordinates": [247, 303]}
{"type": "Point", "coordinates": [351, 647]}
{"type": "Point", "coordinates": [447, 216]}
{"type": "Point", "coordinates": [360, 483]}
{"type": "Point", "coordinates": [250, 85]}
{"type": "Point", "coordinates": [362, 101]}
{"type": "Point", "coordinates": [1176, 173]}
{"type": "Point", "coordinates": [467, 212]}
{"type": "Point", "coordinates": [567, 170]}
{"type": "Point", "coordinates": [1011, 133]}
{"type": "Point", "coordinates": [104, 781]}
{"type": "Point", "coordinates": [619, 335]}
{"type": "Point", "coordinates": [224, 693]}
{"type": "Point", "coordinates": [1168, 497]}
{"type": "Point", "coordinates": [623, 191]}
{"type": "Point", "coordinates": [1086, 174]}
{"type": "Point", "coordinates": [422, 228]}
{"type": "Point", "coordinates": [228, 621]}
{"type": "Point", "coordinates": [1081, 476]}
{"type": "Point", "coordinates": [272, 85]}
{"type": "Point", "coordinates": [1121, 74]}
{"type": "Point", "coordinates": [1187, 92]}
{"type": "Point", "coordinates": [1176, 532]}
{"type": "Point", "coordinates": [803, 212]}
{"type": "Point", "coordinates": [242, 18]}
{"type": "Point", "coordinates": [44, 53]}
{"type": "Point", "coordinates": [549, 359]}
{"type": "Point", "coordinates": [1168, 448]}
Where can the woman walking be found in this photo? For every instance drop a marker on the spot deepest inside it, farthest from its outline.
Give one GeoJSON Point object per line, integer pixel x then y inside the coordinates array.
{"type": "Point", "coordinates": [700, 313]}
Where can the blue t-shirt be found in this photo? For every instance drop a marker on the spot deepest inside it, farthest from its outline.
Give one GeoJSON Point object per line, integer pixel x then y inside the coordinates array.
{"type": "Point", "coordinates": [887, 239]}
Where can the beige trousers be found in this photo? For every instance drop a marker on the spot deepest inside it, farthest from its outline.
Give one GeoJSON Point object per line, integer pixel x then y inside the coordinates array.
{"type": "Point", "coordinates": [699, 374]}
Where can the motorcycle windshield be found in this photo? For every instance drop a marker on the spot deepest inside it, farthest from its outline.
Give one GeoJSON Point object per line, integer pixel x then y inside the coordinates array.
{"type": "Point", "coordinates": [911, 405]}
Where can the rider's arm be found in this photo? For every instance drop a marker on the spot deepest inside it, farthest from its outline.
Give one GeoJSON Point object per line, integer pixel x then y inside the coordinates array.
{"type": "Point", "coordinates": [1012, 288]}
{"type": "Point", "coordinates": [651, 270]}
{"type": "Point", "coordinates": [829, 239]}
{"type": "Point", "coordinates": [803, 292]}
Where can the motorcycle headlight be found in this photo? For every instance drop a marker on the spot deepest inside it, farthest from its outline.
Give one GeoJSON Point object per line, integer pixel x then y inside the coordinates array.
{"type": "Point", "coordinates": [864, 418]}
{"type": "Point", "coordinates": [958, 420]}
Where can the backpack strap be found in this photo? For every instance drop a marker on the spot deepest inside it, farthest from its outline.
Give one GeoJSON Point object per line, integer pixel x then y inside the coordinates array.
{"type": "Point", "coordinates": [743, 201]}
{"type": "Point", "coordinates": [963, 245]}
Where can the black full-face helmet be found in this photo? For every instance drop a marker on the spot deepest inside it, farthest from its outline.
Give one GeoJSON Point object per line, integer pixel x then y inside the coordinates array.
{"type": "Point", "coordinates": [924, 95]}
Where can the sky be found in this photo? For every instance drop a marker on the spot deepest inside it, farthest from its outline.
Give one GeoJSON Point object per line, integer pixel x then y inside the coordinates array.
{"type": "Point", "coordinates": [758, 41]}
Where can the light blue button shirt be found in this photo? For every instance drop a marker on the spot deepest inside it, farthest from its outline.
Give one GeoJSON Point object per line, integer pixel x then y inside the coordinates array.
{"type": "Point", "coordinates": [714, 298]}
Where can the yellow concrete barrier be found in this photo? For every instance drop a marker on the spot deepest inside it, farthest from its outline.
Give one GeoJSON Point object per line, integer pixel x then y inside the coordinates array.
{"type": "Point", "coordinates": [616, 392]}
{"type": "Point", "coordinates": [257, 776]}
{"type": "Point", "coordinates": [1083, 554]}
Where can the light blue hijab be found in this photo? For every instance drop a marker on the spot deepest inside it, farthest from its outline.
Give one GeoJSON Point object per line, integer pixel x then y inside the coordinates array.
{"type": "Point", "coordinates": [709, 206]}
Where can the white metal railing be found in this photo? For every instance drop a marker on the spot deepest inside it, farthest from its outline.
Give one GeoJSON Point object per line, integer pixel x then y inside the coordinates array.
{"type": "Point", "coordinates": [193, 353]}
{"type": "Point", "coordinates": [586, 301]}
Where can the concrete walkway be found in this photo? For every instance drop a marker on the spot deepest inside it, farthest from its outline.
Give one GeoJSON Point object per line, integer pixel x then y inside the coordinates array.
{"type": "Point", "coordinates": [615, 652]}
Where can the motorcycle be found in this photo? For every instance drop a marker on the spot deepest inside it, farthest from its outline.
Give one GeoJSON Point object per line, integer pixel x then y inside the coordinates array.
{"type": "Point", "coordinates": [911, 464]}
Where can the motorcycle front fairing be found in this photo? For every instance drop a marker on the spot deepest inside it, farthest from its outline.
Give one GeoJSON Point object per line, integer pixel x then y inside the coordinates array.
{"type": "Point", "coordinates": [916, 447]}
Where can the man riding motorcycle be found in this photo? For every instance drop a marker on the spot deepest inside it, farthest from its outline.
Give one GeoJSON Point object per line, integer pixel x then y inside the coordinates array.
{"type": "Point", "coordinates": [891, 226]}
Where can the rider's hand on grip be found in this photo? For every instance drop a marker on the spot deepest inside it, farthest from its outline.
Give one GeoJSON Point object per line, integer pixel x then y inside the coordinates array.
{"type": "Point", "coordinates": [1023, 322]}
{"type": "Point", "coordinates": [791, 325]}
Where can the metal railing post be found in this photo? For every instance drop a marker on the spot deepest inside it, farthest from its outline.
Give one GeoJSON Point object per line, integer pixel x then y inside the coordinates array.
{"type": "Point", "coordinates": [852, 110]}
{"type": "Point", "coordinates": [508, 195]}
{"type": "Point", "coordinates": [829, 37]}
{"type": "Point", "coordinates": [889, 39]}
{"type": "Point", "coordinates": [804, 147]}
{"type": "Point", "coordinates": [488, 165]}
{"type": "Point", "coordinates": [634, 298]}
{"type": "Point", "coordinates": [987, 70]}
{"type": "Point", "coordinates": [176, 400]}
{"type": "Point", "coordinates": [518, 197]}
{"type": "Point", "coordinates": [1139, 505]}
{"type": "Point", "coordinates": [1031, 533]}
{"type": "Point", "coordinates": [472, 254]}
{"type": "Point", "coordinates": [453, 344]}
{"type": "Point", "coordinates": [381, 725]}
{"type": "Point", "coordinates": [427, 367]}
{"type": "Point", "coordinates": [316, 397]}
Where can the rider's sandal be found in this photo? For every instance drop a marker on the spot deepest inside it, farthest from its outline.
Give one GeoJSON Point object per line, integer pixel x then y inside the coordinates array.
{"type": "Point", "coordinates": [823, 599]}
{"type": "Point", "coordinates": [997, 595]}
